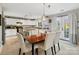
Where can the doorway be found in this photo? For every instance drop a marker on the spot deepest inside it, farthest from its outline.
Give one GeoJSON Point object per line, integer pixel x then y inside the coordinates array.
{"type": "Point", "coordinates": [64, 24]}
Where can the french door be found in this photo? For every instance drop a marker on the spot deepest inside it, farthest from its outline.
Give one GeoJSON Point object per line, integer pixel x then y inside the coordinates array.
{"type": "Point", "coordinates": [64, 27]}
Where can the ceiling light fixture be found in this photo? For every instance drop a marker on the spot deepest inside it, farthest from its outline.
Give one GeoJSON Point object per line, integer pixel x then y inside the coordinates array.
{"type": "Point", "coordinates": [19, 23]}
{"type": "Point", "coordinates": [49, 6]}
{"type": "Point", "coordinates": [43, 17]}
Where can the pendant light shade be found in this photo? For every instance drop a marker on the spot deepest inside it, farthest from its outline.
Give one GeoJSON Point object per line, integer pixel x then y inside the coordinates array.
{"type": "Point", "coordinates": [43, 17]}
{"type": "Point", "coordinates": [19, 23]}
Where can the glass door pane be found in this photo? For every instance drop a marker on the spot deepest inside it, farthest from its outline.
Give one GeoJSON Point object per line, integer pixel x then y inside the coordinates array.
{"type": "Point", "coordinates": [66, 26]}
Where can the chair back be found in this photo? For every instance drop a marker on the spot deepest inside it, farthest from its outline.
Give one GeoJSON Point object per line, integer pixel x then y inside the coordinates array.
{"type": "Point", "coordinates": [30, 33]}
{"type": "Point", "coordinates": [21, 40]}
{"type": "Point", "coordinates": [56, 40]}
{"type": "Point", "coordinates": [35, 32]}
{"type": "Point", "coordinates": [49, 40]}
{"type": "Point", "coordinates": [41, 31]}
{"type": "Point", "coordinates": [20, 37]}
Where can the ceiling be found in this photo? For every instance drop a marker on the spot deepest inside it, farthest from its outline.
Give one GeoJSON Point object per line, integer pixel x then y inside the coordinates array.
{"type": "Point", "coordinates": [36, 9]}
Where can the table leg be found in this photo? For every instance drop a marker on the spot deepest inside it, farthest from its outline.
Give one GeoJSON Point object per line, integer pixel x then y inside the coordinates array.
{"type": "Point", "coordinates": [19, 51]}
{"type": "Point", "coordinates": [32, 48]}
{"type": "Point", "coordinates": [36, 50]}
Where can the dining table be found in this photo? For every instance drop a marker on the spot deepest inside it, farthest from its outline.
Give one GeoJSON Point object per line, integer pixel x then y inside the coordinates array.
{"type": "Point", "coordinates": [35, 39]}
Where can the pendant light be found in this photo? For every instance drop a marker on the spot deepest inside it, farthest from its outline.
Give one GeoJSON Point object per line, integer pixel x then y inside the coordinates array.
{"type": "Point", "coordinates": [18, 23]}
{"type": "Point", "coordinates": [43, 17]}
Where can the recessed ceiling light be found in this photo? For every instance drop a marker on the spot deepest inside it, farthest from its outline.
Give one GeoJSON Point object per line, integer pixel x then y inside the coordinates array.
{"type": "Point", "coordinates": [49, 6]}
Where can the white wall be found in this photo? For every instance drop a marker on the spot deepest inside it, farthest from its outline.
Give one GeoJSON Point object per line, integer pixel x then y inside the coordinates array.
{"type": "Point", "coordinates": [73, 31]}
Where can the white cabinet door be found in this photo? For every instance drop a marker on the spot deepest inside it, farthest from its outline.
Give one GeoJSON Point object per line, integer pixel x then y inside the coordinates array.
{"type": "Point", "coordinates": [9, 21]}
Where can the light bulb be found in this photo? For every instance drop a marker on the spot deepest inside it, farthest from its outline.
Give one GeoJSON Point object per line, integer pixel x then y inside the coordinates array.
{"type": "Point", "coordinates": [44, 18]}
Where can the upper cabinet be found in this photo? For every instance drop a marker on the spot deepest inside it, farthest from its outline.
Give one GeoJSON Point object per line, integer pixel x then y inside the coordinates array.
{"type": "Point", "coordinates": [28, 22]}
{"type": "Point", "coordinates": [10, 21]}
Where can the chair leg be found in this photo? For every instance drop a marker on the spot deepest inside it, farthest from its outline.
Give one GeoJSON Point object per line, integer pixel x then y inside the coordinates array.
{"type": "Point", "coordinates": [23, 53]}
{"type": "Point", "coordinates": [52, 50]}
{"type": "Point", "coordinates": [32, 48]}
{"type": "Point", "coordinates": [36, 51]}
{"type": "Point", "coordinates": [45, 52]}
{"type": "Point", "coordinates": [19, 51]}
{"type": "Point", "coordinates": [58, 46]}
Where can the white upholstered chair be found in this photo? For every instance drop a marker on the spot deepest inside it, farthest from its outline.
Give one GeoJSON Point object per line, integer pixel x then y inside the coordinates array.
{"type": "Point", "coordinates": [48, 43]}
{"type": "Point", "coordinates": [56, 40]}
{"type": "Point", "coordinates": [24, 47]}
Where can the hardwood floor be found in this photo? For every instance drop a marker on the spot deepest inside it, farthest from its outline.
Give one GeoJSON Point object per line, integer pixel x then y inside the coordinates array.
{"type": "Point", "coordinates": [12, 46]}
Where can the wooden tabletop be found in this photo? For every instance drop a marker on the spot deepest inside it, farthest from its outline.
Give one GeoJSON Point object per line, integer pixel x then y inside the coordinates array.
{"type": "Point", "coordinates": [36, 38]}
